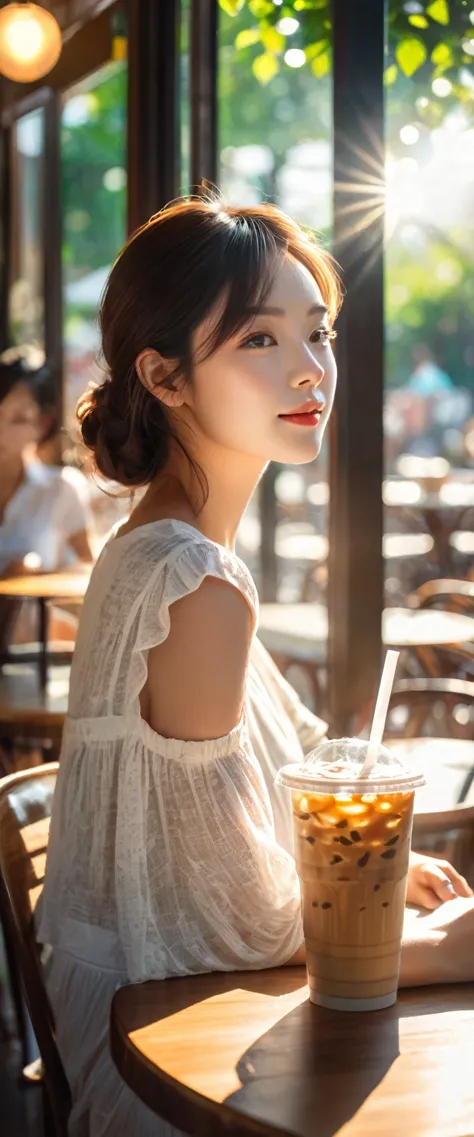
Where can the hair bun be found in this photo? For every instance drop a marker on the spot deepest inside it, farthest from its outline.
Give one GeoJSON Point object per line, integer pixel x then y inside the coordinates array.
{"type": "Point", "coordinates": [108, 427]}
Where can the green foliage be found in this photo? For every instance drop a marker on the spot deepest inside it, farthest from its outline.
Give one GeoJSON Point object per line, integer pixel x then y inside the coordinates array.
{"type": "Point", "coordinates": [265, 67]}
{"type": "Point", "coordinates": [410, 54]}
{"type": "Point", "coordinates": [436, 48]}
{"type": "Point", "coordinates": [439, 11]}
{"type": "Point", "coordinates": [93, 216]}
{"type": "Point", "coordinates": [429, 297]}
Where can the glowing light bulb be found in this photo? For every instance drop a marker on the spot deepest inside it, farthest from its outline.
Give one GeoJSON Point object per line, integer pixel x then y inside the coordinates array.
{"type": "Point", "coordinates": [30, 42]}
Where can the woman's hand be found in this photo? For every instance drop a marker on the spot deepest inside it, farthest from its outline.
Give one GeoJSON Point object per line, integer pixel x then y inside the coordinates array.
{"type": "Point", "coordinates": [432, 881]}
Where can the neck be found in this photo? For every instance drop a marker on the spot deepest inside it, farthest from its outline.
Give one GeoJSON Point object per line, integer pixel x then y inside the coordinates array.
{"type": "Point", "coordinates": [231, 479]}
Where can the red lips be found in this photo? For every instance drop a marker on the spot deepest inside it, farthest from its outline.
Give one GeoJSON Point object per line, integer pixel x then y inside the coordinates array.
{"type": "Point", "coordinates": [310, 407]}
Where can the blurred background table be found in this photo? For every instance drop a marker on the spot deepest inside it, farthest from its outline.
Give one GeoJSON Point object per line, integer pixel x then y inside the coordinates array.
{"type": "Point", "coordinates": [67, 586]}
{"type": "Point", "coordinates": [302, 629]}
{"type": "Point", "coordinates": [447, 764]}
{"type": "Point", "coordinates": [31, 717]}
{"type": "Point", "coordinates": [442, 511]}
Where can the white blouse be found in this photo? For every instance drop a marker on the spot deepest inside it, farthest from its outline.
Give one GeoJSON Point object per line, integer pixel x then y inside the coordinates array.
{"type": "Point", "coordinates": [165, 857]}
{"type": "Point", "coordinates": [41, 517]}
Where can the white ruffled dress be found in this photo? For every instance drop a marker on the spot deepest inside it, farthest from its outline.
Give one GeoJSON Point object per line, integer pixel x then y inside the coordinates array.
{"type": "Point", "coordinates": [165, 858]}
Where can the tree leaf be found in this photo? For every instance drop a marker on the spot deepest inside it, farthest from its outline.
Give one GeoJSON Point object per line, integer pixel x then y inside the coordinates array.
{"type": "Point", "coordinates": [261, 8]}
{"type": "Point", "coordinates": [272, 40]}
{"type": "Point", "coordinates": [314, 49]}
{"type": "Point", "coordinates": [246, 38]}
{"type": "Point", "coordinates": [418, 21]}
{"type": "Point", "coordinates": [321, 65]}
{"type": "Point", "coordinates": [265, 67]}
{"type": "Point", "coordinates": [439, 11]}
{"type": "Point", "coordinates": [232, 7]}
{"type": "Point", "coordinates": [390, 75]}
{"type": "Point", "coordinates": [410, 53]}
{"type": "Point", "coordinates": [442, 55]}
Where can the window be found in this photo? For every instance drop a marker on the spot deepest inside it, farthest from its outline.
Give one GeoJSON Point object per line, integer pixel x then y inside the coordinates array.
{"type": "Point", "coordinates": [93, 189]}
{"type": "Point", "coordinates": [26, 293]}
{"type": "Point", "coordinates": [429, 392]}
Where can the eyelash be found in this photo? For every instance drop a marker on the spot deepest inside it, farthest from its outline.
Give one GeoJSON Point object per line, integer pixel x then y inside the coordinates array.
{"type": "Point", "coordinates": [326, 335]}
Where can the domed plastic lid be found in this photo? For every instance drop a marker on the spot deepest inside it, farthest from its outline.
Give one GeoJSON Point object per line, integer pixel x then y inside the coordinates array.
{"type": "Point", "coordinates": [335, 767]}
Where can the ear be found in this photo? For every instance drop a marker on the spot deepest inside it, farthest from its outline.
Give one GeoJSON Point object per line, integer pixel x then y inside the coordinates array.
{"type": "Point", "coordinates": [154, 373]}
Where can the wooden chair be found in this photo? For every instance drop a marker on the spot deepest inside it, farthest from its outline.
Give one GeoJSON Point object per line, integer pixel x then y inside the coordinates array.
{"type": "Point", "coordinates": [447, 595]}
{"type": "Point", "coordinates": [443, 708]}
{"type": "Point", "coordinates": [25, 811]}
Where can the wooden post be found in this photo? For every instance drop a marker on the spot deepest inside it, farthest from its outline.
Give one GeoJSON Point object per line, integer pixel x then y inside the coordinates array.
{"type": "Point", "coordinates": [153, 107]}
{"type": "Point", "coordinates": [203, 110]}
{"type": "Point", "coordinates": [356, 578]}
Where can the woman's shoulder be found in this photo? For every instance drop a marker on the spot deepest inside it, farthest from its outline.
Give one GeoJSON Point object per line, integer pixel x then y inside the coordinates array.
{"type": "Point", "coordinates": [172, 558]}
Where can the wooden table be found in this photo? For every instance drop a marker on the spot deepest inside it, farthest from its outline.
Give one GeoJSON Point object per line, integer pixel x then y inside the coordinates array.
{"type": "Point", "coordinates": [68, 586]}
{"type": "Point", "coordinates": [447, 764]}
{"type": "Point", "coordinates": [27, 711]}
{"type": "Point", "coordinates": [442, 511]}
{"type": "Point", "coordinates": [301, 630]}
{"type": "Point", "coordinates": [246, 1052]}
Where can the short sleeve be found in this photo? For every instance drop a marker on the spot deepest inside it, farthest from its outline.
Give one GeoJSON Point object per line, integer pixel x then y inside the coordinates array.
{"type": "Point", "coordinates": [182, 573]}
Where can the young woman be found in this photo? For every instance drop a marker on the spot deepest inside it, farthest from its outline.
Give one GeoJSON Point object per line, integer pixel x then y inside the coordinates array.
{"type": "Point", "coordinates": [171, 848]}
{"type": "Point", "coordinates": [43, 519]}
{"type": "Point", "coordinates": [41, 512]}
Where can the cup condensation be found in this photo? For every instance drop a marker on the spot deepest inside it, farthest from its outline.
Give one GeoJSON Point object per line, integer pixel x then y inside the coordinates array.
{"type": "Point", "coordinates": [352, 836]}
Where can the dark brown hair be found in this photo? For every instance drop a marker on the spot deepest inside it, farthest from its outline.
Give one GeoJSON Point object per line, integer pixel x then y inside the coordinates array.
{"type": "Point", "coordinates": [169, 277]}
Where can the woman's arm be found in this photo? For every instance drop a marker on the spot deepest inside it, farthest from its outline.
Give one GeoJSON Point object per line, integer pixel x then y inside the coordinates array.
{"type": "Point", "coordinates": [79, 543]}
{"type": "Point", "coordinates": [310, 729]}
{"type": "Point", "coordinates": [439, 947]}
{"type": "Point", "coordinates": [215, 856]}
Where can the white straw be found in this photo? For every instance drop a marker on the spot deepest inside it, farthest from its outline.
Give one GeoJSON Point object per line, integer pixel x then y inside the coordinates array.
{"type": "Point", "coordinates": [381, 710]}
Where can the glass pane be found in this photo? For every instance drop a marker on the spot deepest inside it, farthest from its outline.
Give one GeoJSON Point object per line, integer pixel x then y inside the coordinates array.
{"type": "Point", "coordinates": [93, 188]}
{"type": "Point", "coordinates": [94, 218]}
{"type": "Point", "coordinates": [275, 144]}
{"type": "Point", "coordinates": [429, 395]}
{"type": "Point", "coordinates": [26, 299]}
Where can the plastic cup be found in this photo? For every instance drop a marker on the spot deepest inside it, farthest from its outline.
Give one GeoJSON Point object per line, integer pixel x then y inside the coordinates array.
{"type": "Point", "coordinates": [352, 839]}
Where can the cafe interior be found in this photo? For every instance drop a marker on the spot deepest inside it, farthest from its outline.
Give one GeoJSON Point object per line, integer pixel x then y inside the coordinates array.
{"type": "Point", "coordinates": [357, 119]}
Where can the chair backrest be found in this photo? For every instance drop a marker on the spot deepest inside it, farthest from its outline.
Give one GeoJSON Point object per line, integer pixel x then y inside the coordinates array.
{"type": "Point", "coordinates": [25, 812]}
{"type": "Point", "coordinates": [448, 595]}
{"type": "Point", "coordinates": [441, 707]}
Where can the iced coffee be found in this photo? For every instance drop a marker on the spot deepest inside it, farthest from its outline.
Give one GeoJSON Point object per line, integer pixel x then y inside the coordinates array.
{"type": "Point", "coordinates": [352, 843]}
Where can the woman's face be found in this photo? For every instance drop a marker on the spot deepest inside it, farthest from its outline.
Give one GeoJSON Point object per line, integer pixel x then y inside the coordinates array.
{"type": "Point", "coordinates": [243, 397]}
{"type": "Point", "coordinates": [20, 422]}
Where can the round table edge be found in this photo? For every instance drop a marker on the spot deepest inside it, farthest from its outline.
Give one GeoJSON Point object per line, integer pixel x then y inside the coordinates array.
{"type": "Point", "coordinates": [179, 1104]}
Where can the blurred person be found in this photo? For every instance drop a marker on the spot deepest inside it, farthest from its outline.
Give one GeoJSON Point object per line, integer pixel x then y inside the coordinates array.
{"type": "Point", "coordinates": [427, 377]}
{"type": "Point", "coordinates": [42, 516]}
{"type": "Point", "coordinates": [171, 848]}
{"type": "Point", "coordinates": [43, 519]}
